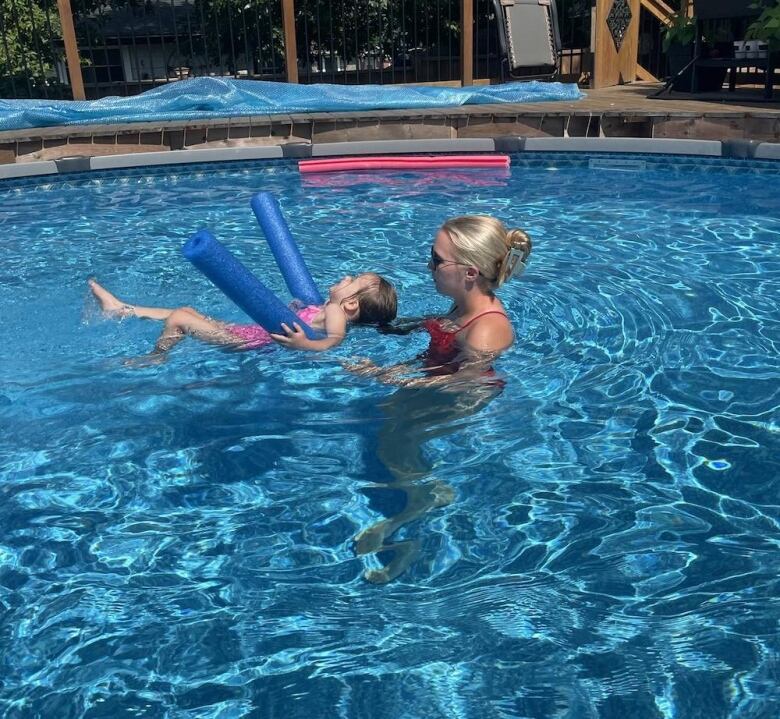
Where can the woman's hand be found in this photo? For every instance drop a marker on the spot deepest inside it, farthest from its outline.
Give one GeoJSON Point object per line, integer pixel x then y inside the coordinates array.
{"type": "Point", "coordinates": [398, 374]}
{"type": "Point", "coordinates": [294, 338]}
{"type": "Point", "coordinates": [363, 368]}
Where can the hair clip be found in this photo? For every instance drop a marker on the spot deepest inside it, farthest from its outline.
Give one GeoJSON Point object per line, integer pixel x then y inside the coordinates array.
{"type": "Point", "coordinates": [515, 262]}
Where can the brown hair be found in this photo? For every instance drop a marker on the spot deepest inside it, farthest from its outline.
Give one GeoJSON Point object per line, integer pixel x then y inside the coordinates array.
{"type": "Point", "coordinates": [377, 303]}
{"type": "Point", "coordinates": [485, 243]}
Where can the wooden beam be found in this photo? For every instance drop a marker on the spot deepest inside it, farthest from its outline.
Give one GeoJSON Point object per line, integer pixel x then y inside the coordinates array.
{"type": "Point", "coordinates": [71, 50]}
{"type": "Point", "coordinates": [613, 66]}
{"type": "Point", "coordinates": [290, 45]}
{"type": "Point", "coordinates": [659, 9]}
{"type": "Point", "coordinates": [645, 75]}
{"type": "Point", "coordinates": [467, 42]}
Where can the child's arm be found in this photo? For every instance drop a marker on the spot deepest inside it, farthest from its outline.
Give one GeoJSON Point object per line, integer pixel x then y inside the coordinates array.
{"type": "Point", "coordinates": [335, 329]}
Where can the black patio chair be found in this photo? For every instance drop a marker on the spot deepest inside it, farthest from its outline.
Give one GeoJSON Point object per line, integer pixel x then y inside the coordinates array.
{"type": "Point", "coordinates": [528, 37]}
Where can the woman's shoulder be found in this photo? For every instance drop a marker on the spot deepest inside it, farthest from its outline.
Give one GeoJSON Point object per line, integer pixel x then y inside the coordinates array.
{"type": "Point", "coordinates": [489, 332]}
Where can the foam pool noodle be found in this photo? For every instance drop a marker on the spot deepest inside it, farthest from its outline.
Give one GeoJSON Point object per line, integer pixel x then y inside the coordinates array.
{"type": "Point", "coordinates": [217, 263]}
{"type": "Point", "coordinates": [291, 263]}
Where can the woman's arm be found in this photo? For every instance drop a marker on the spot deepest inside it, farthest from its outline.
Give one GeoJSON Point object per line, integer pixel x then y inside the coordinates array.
{"type": "Point", "coordinates": [471, 367]}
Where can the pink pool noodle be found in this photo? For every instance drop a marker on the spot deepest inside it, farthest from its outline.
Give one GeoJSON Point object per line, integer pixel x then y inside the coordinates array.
{"type": "Point", "coordinates": [416, 162]}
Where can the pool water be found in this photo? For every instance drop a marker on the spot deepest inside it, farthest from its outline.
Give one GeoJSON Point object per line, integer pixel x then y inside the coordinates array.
{"type": "Point", "coordinates": [178, 540]}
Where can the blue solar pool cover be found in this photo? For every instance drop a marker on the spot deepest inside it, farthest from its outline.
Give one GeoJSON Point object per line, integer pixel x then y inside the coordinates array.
{"type": "Point", "coordinates": [203, 98]}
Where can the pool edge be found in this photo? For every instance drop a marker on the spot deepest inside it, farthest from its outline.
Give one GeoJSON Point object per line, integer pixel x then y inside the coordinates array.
{"type": "Point", "coordinates": [735, 149]}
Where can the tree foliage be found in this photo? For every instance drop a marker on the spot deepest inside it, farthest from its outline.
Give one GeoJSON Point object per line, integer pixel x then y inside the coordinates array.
{"type": "Point", "coordinates": [246, 36]}
{"type": "Point", "coordinates": [31, 44]}
{"type": "Point", "coordinates": [767, 26]}
{"type": "Point", "coordinates": [27, 55]}
{"type": "Point", "coordinates": [327, 29]}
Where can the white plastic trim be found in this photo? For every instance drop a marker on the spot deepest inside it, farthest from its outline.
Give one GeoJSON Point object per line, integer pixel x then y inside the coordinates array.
{"type": "Point", "coordinates": [27, 169]}
{"type": "Point", "coordinates": [176, 157]}
{"type": "Point", "coordinates": [643, 145]}
{"type": "Point", "coordinates": [399, 147]}
{"type": "Point", "coordinates": [768, 151]}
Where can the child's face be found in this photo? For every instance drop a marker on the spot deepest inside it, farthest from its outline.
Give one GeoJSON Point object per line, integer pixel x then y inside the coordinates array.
{"type": "Point", "coordinates": [350, 286]}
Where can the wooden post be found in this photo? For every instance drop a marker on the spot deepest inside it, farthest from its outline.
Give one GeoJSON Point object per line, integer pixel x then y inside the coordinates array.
{"type": "Point", "coordinates": [610, 65]}
{"type": "Point", "coordinates": [290, 46]}
{"type": "Point", "coordinates": [71, 50]}
{"type": "Point", "coordinates": [467, 42]}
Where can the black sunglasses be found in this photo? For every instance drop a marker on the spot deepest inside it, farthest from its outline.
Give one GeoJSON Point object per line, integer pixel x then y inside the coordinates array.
{"type": "Point", "coordinates": [436, 261]}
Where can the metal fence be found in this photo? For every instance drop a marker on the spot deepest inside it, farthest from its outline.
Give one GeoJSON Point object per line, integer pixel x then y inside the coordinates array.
{"type": "Point", "coordinates": [369, 42]}
{"type": "Point", "coordinates": [650, 54]}
{"type": "Point", "coordinates": [128, 46]}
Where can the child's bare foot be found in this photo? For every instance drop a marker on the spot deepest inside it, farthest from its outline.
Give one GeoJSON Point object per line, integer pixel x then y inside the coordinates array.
{"type": "Point", "coordinates": [110, 305]}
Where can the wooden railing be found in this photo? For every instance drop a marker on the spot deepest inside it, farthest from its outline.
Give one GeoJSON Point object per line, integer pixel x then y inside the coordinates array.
{"type": "Point", "coordinates": [663, 13]}
{"type": "Point", "coordinates": [659, 9]}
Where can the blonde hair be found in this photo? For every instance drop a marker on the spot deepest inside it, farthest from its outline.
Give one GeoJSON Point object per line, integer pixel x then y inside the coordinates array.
{"type": "Point", "coordinates": [485, 243]}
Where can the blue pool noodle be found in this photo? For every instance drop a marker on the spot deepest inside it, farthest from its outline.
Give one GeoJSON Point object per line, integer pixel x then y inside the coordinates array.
{"type": "Point", "coordinates": [215, 261]}
{"type": "Point", "coordinates": [291, 264]}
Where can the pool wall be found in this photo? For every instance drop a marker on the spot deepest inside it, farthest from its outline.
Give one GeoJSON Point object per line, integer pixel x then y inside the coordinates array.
{"type": "Point", "coordinates": [733, 149]}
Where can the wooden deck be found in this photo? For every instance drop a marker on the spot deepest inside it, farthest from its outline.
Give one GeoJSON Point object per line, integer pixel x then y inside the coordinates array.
{"type": "Point", "coordinates": [622, 111]}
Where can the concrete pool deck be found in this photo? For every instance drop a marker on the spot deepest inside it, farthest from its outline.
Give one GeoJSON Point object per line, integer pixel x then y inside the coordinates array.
{"type": "Point", "coordinates": [611, 115]}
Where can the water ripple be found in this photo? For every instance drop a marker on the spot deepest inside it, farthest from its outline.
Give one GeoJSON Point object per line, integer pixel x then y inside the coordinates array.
{"type": "Point", "coordinates": [600, 539]}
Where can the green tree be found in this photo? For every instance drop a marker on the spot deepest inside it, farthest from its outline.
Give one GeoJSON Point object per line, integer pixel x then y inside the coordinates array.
{"type": "Point", "coordinates": [31, 44]}
{"type": "Point", "coordinates": [326, 29]}
{"type": "Point", "coordinates": [242, 34]}
{"type": "Point", "coordinates": [27, 54]}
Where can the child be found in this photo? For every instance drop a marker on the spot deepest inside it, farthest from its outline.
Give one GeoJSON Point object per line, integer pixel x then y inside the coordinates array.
{"type": "Point", "coordinates": [365, 299]}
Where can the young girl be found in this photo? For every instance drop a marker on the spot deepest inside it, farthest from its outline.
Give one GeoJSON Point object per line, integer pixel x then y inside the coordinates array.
{"type": "Point", "coordinates": [365, 299]}
{"type": "Point", "coordinates": [471, 257]}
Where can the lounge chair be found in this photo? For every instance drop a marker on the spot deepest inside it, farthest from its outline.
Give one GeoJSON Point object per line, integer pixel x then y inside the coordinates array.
{"type": "Point", "coordinates": [528, 36]}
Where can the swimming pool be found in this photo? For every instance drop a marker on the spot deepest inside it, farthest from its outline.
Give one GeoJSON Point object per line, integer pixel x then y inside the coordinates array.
{"type": "Point", "coordinates": [177, 541]}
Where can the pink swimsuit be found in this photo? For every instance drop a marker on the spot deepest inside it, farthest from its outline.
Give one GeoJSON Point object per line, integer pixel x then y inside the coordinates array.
{"type": "Point", "coordinates": [254, 336]}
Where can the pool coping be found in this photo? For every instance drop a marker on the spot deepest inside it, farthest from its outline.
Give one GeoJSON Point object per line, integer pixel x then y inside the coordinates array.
{"type": "Point", "coordinates": [732, 149]}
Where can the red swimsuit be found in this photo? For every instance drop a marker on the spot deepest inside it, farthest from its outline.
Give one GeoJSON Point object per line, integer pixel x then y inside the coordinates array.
{"type": "Point", "coordinates": [443, 348]}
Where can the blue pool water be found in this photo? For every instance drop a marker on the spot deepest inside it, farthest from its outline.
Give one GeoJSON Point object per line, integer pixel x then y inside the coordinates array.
{"type": "Point", "coordinates": [177, 541]}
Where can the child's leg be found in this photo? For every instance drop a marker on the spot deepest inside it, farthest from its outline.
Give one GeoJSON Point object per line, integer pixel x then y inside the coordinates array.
{"type": "Point", "coordinates": [186, 321]}
{"type": "Point", "coordinates": [114, 307]}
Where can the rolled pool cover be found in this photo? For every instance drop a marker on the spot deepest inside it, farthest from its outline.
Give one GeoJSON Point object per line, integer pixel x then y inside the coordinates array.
{"type": "Point", "coordinates": [410, 162]}
{"type": "Point", "coordinates": [291, 263]}
{"type": "Point", "coordinates": [215, 261]}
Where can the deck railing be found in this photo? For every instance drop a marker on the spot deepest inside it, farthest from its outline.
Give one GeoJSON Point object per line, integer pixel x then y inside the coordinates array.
{"type": "Point", "coordinates": [653, 17]}
{"type": "Point", "coordinates": [122, 47]}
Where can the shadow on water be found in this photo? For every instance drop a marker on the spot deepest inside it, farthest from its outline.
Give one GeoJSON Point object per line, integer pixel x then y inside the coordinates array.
{"type": "Point", "coordinates": [410, 419]}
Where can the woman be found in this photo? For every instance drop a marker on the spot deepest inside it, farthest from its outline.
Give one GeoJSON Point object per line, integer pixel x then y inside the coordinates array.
{"type": "Point", "coordinates": [471, 257]}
